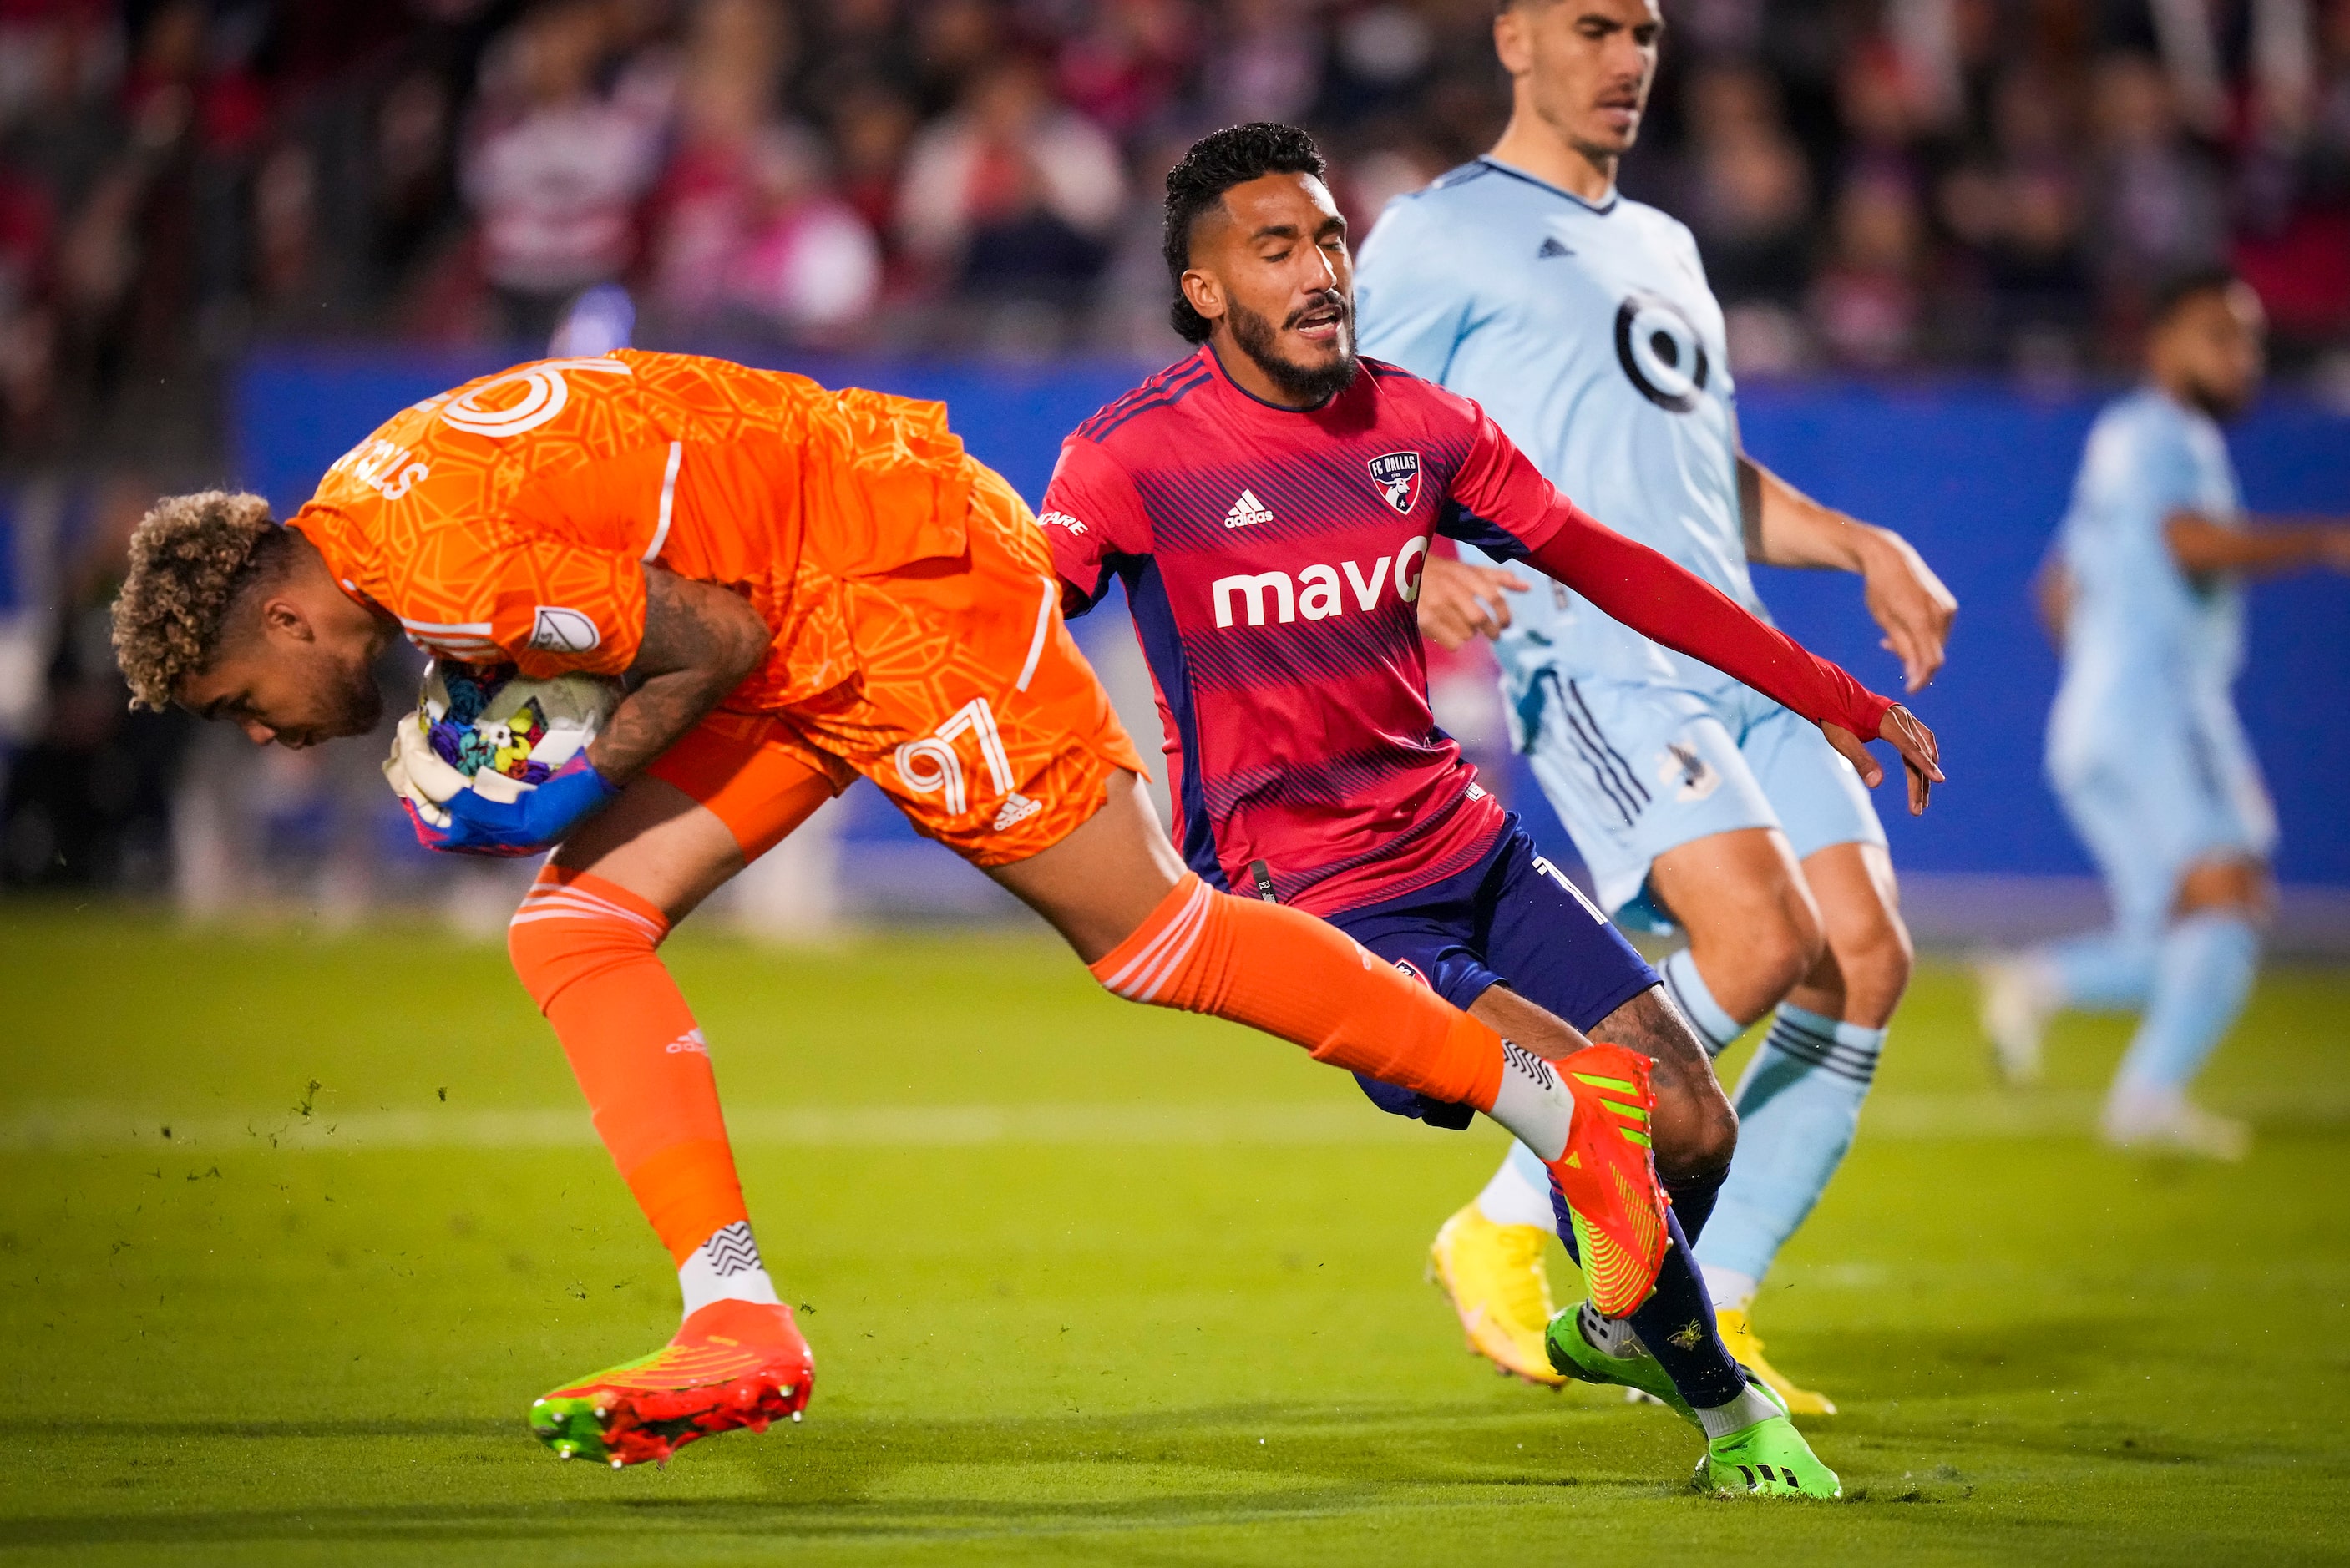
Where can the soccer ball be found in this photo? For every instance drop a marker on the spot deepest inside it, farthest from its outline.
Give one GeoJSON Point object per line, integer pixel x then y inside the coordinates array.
{"type": "Point", "coordinates": [490, 729]}
{"type": "Point", "coordinates": [490, 717]}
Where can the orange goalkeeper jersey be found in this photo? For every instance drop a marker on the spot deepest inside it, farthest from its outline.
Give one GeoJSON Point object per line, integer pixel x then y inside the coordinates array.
{"type": "Point", "coordinates": [511, 518]}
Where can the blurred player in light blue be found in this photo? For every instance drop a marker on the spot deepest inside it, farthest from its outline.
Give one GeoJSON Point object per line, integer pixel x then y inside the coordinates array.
{"type": "Point", "coordinates": [1582, 323]}
{"type": "Point", "coordinates": [2143, 592]}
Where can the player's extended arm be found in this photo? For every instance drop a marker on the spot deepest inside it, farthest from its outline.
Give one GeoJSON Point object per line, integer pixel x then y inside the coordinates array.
{"type": "Point", "coordinates": [698, 641]}
{"type": "Point", "coordinates": [1668, 604]}
{"type": "Point", "coordinates": [1785, 527]}
{"type": "Point", "coordinates": [2202, 547]}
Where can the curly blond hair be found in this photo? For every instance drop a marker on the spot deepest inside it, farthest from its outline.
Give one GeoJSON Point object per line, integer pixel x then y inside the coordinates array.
{"type": "Point", "coordinates": [190, 557]}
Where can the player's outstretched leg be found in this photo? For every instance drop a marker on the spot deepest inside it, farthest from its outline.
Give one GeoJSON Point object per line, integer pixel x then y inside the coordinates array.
{"type": "Point", "coordinates": [1586, 1114]}
{"type": "Point", "coordinates": [1153, 932]}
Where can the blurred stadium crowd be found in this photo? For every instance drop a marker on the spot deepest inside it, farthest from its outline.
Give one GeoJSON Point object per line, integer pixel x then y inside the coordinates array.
{"type": "Point", "coordinates": [1878, 186]}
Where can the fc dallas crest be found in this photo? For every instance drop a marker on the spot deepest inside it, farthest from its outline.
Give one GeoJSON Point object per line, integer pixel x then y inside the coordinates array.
{"type": "Point", "coordinates": [1397, 474]}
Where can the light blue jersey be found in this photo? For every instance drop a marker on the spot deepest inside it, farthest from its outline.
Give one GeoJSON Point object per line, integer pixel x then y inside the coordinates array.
{"type": "Point", "coordinates": [2143, 640]}
{"type": "Point", "coordinates": [1591, 337]}
{"type": "Point", "coordinates": [1589, 334]}
{"type": "Point", "coordinates": [2144, 745]}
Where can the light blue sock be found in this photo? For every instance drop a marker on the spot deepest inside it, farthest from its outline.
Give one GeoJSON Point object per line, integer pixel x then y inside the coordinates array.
{"type": "Point", "coordinates": [2203, 975]}
{"type": "Point", "coordinates": [1797, 1107]}
{"type": "Point", "coordinates": [2105, 970]}
{"type": "Point", "coordinates": [1715, 1028]}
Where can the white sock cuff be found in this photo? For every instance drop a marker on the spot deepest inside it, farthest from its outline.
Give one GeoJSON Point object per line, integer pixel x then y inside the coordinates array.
{"type": "Point", "coordinates": [1687, 989]}
{"type": "Point", "coordinates": [725, 1267]}
{"type": "Point", "coordinates": [1533, 1102]}
{"type": "Point", "coordinates": [1752, 1406]}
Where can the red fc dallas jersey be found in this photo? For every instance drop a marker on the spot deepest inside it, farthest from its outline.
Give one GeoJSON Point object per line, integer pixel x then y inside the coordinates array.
{"type": "Point", "coordinates": [1271, 557]}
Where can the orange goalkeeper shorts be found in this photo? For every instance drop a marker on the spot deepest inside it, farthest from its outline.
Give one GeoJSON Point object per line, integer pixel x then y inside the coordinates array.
{"type": "Point", "coordinates": [969, 704]}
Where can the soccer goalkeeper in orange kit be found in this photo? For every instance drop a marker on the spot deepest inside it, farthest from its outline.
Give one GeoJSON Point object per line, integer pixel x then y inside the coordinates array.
{"type": "Point", "coordinates": [801, 585]}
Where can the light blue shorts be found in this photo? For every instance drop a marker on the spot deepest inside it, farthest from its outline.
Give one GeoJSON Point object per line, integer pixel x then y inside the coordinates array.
{"type": "Point", "coordinates": [2152, 800]}
{"type": "Point", "coordinates": [1634, 769]}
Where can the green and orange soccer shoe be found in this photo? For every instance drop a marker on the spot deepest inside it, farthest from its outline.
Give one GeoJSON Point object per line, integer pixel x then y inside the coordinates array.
{"type": "Point", "coordinates": [732, 1364]}
{"type": "Point", "coordinates": [1608, 1177]}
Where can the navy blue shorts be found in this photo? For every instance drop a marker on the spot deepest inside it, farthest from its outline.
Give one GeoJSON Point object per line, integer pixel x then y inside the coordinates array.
{"type": "Point", "coordinates": [1510, 919]}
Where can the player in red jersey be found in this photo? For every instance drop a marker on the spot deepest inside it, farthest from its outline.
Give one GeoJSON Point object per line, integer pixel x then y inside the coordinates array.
{"type": "Point", "coordinates": [804, 586]}
{"type": "Point", "coordinates": [1268, 503]}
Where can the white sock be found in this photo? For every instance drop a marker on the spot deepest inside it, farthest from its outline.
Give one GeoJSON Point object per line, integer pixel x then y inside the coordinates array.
{"type": "Point", "coordinates": [1731, 1291]}
{"type": "Point", "coordinates": [725, 1267]}
{"type": "Point", "coordinates": [1533, 1102]}
{"type": "Point", "coordinates": [1608, 1335]}
{"type": "Point", "coordinates": [1740, 1413]}
{"type": "Point", "coordinates": [1519, 1193]}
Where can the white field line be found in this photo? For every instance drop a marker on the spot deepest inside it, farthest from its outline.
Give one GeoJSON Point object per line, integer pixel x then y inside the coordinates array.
{"type": "Point", "coordinates": [106, 1126]}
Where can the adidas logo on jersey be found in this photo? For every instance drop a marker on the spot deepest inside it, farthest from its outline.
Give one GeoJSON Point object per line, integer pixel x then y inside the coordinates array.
{"type": "Point", "coordinates": [690, 1041]}
{"type": "Point", "coordinates": [1017, 808]}
{"type": "Point", "coordinates": [1248, 509]}
{"type": "Point", "coordinates": [1552, 247]}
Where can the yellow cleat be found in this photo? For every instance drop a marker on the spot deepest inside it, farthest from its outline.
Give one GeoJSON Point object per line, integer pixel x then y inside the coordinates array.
{"type": "Point", "coordinates": [1493, 1276]}
{"type": "Point", "coordinates": [1739, 1338]}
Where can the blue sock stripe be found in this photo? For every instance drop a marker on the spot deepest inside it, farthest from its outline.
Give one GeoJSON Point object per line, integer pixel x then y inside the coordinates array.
{"type": "Point", "coordinates": [1834, 1037]}
{"type": "Point", "coordinates": [1824, 1052]}
{"type": "Point", "coordinates": [1860, 1066]}
{"type": "Point", "coordinates": [1820, 1040]}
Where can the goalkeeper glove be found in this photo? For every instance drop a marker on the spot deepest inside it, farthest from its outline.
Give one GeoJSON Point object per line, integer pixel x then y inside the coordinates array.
{"type": "Point", "coordinates": [490, 814]}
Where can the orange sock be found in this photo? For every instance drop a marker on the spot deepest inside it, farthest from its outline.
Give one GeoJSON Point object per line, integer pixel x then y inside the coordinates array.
{"type": "Point", "coordinates": [1289, 974]}
{"type": "Point", "coordinates": [584, 949]}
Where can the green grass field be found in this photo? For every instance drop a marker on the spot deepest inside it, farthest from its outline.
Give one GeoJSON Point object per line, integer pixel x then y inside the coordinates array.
{"type": "Point", "coordinates": [1086, 1282]}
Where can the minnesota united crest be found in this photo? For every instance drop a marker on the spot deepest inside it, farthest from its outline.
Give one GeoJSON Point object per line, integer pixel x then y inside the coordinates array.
{"type": "Point", "coordinates": [1397, 474]}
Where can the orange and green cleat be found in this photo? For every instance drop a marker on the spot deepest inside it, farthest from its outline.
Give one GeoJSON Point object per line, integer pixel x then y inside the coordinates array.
{"type": "Point", "coordinates": [731, 1363]}
{"type": "Point", "coordinates": [1608, 1177]}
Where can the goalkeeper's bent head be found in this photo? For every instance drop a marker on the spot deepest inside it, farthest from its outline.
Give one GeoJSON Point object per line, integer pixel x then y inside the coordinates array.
{"type": "Point", "coordinates": [235, 617]}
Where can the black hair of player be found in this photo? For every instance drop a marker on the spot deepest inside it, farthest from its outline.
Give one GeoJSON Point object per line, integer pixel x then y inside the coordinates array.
{"type": "Point", "coordinates": [1212, 166]}
{"type": "Point", "coordinates": [2181, 288]}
